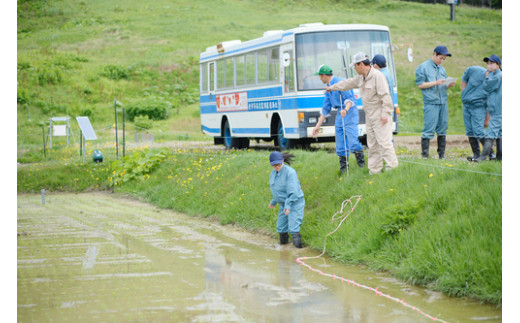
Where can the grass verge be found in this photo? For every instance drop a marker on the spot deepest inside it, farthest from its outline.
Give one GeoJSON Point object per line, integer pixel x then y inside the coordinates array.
{"type": "Point", "coordinates": [434, 222]}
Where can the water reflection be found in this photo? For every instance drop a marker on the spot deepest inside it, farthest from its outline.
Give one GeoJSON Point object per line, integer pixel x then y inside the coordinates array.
{"type": "Point", "coordinates": [83, 261]}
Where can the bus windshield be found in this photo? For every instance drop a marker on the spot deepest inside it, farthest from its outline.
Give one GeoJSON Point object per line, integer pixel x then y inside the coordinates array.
{"type": "Point", "coordinates": [336, 48]}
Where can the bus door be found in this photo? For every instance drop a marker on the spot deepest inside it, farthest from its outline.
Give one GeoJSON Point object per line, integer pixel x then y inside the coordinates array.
{"type": "Point", "coordinates": [288, 68]}
{"type": "Point", "coordinates": [211, 76]}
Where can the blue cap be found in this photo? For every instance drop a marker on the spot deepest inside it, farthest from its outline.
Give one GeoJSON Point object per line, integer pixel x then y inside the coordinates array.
{"type": "Point", "coordinates": [442, 50]}
{"type": "Point", "coordinates": [276, 158]}
{"type": "Point", "coordinates": [493, 58]}
{"type": "Point", "coordinates": [379, 60]}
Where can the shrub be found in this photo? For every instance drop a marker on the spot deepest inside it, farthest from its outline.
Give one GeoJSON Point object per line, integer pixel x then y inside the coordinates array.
{"type": "Point", "coordinates": [116, 72]}
{"type": "Point", "coordinates": [153, 108]}
{"type": "Point", "coordinates": [49, 75]}
{"type": "Point", "coordinates": [138, 165]}
{"type": "Point", "coordinates": [143, 122]}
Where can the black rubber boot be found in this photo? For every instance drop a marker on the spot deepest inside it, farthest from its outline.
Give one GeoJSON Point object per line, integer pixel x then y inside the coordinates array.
{"type": "Point", "coordinates": [360, 158]}
{"type": "Point", "coordinates": [284, 238]}
{"type": "Point", "coordinates": [475, 147]}
{"type": "Point", "coordinates": [343, 164]}
{"type": "Point", "coordinates": [486, 151]}
{"type": "Point", "coordinates": [297, 239]}
{"type": "Point", "coordinates": [425, 147]}
{"type": "Point", "coordinates": [491, 152]}
{"type": "Point", "coordinates": [499, 149]}
{"type": "Point", "coordinates": [441, 146]}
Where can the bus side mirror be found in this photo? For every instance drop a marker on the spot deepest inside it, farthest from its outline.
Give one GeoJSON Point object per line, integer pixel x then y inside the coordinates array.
{"type": "Point", "coordinates": [286, 59]}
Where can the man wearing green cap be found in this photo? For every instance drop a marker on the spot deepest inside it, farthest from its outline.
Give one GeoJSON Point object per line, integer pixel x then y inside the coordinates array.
{"type": "Point", "coordinates": [347, 119]}
{"type": "Point", "coordinates": [378, 107]}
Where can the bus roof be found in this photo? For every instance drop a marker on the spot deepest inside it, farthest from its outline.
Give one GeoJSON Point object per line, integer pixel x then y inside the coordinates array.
{"type": "Point", "coordinates": [273, 37]}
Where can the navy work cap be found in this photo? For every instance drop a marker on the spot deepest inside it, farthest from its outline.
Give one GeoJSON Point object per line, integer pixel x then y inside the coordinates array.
{"type": "Point", "coordinates": [276, 158]}
{"type": "Point", "coordinates": [442, 50]}
{"type": "Point", "coordinates": [493, 58]}
{"type": "Point", "coordinates": [379, 60]}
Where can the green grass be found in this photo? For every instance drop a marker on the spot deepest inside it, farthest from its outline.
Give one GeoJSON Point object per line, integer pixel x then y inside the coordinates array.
{"type": "Point", "coordinates": [435, 223]}
{"type": "Point", "coordinates": [75, 57]}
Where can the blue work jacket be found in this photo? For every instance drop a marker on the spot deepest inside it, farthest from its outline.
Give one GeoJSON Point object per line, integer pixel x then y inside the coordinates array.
{"type": "Point", "coordinates": [428, 72]}
{"type": "Point", "coordinates": [285, 187]}
{"type": "Point", "coordinates": [333, 100]}
{"type": "Point", "coordinates": [390, 80]}
{"type": "Point", "coordinates": [474, 91]}
{"type": "Point", "coordinates": [493, 87]}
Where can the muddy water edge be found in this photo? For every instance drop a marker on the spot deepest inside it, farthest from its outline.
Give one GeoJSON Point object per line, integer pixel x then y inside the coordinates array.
{"type": "Point", "coordinates": [95, 257]}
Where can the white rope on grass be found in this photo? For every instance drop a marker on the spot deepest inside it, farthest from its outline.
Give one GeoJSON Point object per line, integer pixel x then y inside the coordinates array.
{"type": "Point", "coordinates": [343, 216]}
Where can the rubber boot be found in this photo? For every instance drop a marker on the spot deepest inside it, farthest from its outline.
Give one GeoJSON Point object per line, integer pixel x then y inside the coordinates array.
{"type": "Point", "coordinates": [425, 147]}
{"type": "Point", "coordinates": [491, 152]}
{"type": "Point", "coordinates": [475, 147]}
{"type": "Point", "coordinates": [488, 144]}
{"type": "Point", "coordinates": [499, 150]}
{"type": "Point", "coordinates": [343, 164]}
{"type": "Point", "coordinates": [297, 239]}
{"type": "Point", "coordinates": [284, 238]}
{"type": "Point", "coordinates": [360, 158]}
{"type": "Point", "coordinates": [441, 146]}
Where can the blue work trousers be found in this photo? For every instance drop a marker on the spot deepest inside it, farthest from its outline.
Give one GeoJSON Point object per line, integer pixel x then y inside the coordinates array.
{"type": "Point", "coordinates": [291, 223]}
{"type": "Point", "coordinates": [474, 117]}
{"type": "Point", "coordinates": [347, 129]}
{"type": "Point", "coordinates": [435, 120]}
{"type": "Point", "coordinates": [494, 129]}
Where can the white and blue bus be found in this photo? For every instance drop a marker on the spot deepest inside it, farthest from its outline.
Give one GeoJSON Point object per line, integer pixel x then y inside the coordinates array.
{"type": "Point", "coordinates": [265, 88]}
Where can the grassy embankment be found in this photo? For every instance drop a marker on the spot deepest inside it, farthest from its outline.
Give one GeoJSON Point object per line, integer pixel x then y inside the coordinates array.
{"type": "Point", "coordinates": [74, 58]}
{"type": "Point", "coordinates": [437, 225]}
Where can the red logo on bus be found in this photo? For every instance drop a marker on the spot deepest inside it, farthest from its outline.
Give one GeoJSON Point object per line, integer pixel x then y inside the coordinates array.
{"type": "Point", "coordinates": [232, 102]}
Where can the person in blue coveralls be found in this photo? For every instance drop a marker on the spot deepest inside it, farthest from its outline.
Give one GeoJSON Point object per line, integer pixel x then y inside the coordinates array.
{"type": "Point", "coordinates": [287, 192]}
{"type": "Point", "coordinates": [473, 99]}
{"type": "Point", "coordinates": [493, 87]}
{"type": "Point", "coordinates": [347, 119]}
{"type": "Point", "coordinates": [430, 77]}
{"type": "Point", "coordinates": [379, 63]}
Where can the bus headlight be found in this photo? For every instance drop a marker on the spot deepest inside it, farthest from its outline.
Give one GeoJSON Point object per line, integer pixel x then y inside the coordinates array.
{"type": "Point", "coordinates": [312, 120]}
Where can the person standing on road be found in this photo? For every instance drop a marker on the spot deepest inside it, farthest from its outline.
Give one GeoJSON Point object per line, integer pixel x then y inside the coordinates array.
{"type": "Point", "coordinates": [473, 99]}
{"type": "Point", "coordinates": [286, 191]}
{"type": "Point", "coordinates": [493, 87]}
{"type": "Point", "coordinates": [430, 77]}
{"type": "Point", "coordinates": [379, 63]}
{"type": "Point", "coordinates": [347, 119]}
{"type": "Point", "coordinates": [377, 104]}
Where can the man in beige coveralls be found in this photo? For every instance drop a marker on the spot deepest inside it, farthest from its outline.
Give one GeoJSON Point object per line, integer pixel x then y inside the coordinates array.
{"type": "Point", "coordinates": [378, 107]}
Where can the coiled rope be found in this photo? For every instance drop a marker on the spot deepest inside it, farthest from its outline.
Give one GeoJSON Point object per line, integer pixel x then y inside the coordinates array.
{"type": "Point", "coordinates": [349, 206]}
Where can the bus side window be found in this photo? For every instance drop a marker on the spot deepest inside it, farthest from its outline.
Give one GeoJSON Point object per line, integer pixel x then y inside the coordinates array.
{"type": "Point", "coordinates": [204, 78]}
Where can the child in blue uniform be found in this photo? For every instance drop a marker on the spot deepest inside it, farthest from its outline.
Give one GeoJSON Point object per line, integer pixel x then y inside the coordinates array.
{"type": "Point", "coordinates": [286, 191]}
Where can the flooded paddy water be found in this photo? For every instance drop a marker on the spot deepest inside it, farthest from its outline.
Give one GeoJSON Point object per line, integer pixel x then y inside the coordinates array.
{"type": "Point", "coordinates": [95, 257]}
